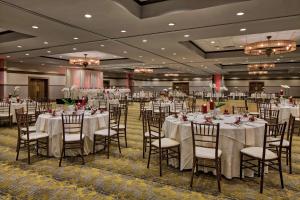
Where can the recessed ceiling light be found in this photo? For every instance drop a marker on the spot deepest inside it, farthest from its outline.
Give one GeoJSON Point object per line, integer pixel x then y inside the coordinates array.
{"type": "Point", "coordinates": [186, 36]}
{"type": "Point", "coordinates": [88, 16]}
{"type": "Point", "coordinates": [60, 56]}
{"type": "Point", "coordinates": [171, 24]}
{"type": "Point", "coordinates": [123, 31]}
{"type": "Point", "coordinates": [102, 45]}
{"type": "Point", "coordinates": [26, 54]}
{"type": "Point", "coordinates": [21, 61]}
{"type": "Point", "coordinates": [49, 51]}
{"type": "Point", "coordinates": [152, 59]}
{"type": "Point", "coordinates": [75, 38]}
{"type": "Point", "coordinates": [144, 40]}
{"type": "Point", "coordinates": [241, 46]}
{"type": "Point", "coordinates": [19, 46]}
{"type": "Point", "coordinates": [7, 56]}
{"type": "Point", "coordinates": [74, 49]}
{"type": "Point", "coordinates": [243, 29]}
{"type": "Point", "coordinates": [278, 59]}
{"type": "Point", "coordinates": [174, 54]}
{"type": "Point", "coordinates": [35, 27]}
{"type": "Point", "coordinates": [183, 58]}
{"type": "Point", "coordinates": [212, 42]}
{"type": "Point", "coordinates": [218, 48]}
{"type": "Point", "coordinates": [140, 56]}
{"type": "Point", "coordinates": [43, 64]}
{"type": "Point", "coordinates": [124, 51]}
{"type": "Point", "coordinates": [205, 67]}
{"type": "Point", "coordinates": [292, 60]}
{"type": "Point", "coordinates": [46, 42]}
{"type": "Point", "coordinates": [240, 13]}
{"type": "Point", "coordinates": [162, 48]}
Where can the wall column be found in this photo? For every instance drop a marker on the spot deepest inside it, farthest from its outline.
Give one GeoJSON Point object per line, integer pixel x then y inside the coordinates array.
{"type": "Point", "coordinates": [2, 79]}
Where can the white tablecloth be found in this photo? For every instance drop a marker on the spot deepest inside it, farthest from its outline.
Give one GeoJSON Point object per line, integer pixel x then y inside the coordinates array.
{"type": "Point", "coordinates": [285, 111]}
{"type": "Point", "coordinates": [232, 140]}
{"type": "Point", "coordinates": [53, 126]}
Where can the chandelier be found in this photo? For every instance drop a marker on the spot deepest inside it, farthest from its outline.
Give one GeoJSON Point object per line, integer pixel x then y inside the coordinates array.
{"type": "Point", "coordinates": [270, 47]}
{"type": "Point", "coordinates": [143, 70]}
{"type": "Point", "coordinates": [261, 66]}
{"type": "Point", "coordinates": [84, 61]}
{"type": "Point", "coordinates": [173, 75]}
{"type": "Point", "coordinates": [259, 72]}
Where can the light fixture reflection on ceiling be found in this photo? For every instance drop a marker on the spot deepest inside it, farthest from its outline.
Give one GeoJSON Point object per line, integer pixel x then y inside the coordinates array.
{"type": "Point", "coordinates": [35, 27]}
{"type": "Point", "coordinates": [123, 31]}
{"type": "Point", "coordinates": [240, 13]}
{"type": "Point", "coordinates": [171, 75]}
{"type": "Point", "coordinates": [19, 46]}
{"type": "Point", "coordinates": [84, 61]}
{"type": "Point", "coordinates": [257, 72]}
{"type": "Point", "coordinates": [46, 42]}
{"type": "Point", "coordinates": [171, 24]}
{"type": "Point", "coordinates": [261, 66]}
{"type": "Point", "coordinates": [88, 16]}
{"type": "Point", "coordinates": [186, 36]}
{"type": "Point", "coordinates": [243, 29]}
{"type": "Point", "coordinates": [143, 70]}
{"type": "Point", "coordinates": [270, 47]}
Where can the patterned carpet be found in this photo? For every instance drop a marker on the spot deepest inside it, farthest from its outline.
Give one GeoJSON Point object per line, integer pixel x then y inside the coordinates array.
{"type": "Point", "coordinates": [126, 176]}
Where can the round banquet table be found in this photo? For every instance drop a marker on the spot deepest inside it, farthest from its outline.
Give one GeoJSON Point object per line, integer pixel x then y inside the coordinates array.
{"type": "Point", "coordinates": [285, 111]}
{"type": "Point", "coordinates": [232, 139]}
{"type": "Point", "coordinates": [53, 126]}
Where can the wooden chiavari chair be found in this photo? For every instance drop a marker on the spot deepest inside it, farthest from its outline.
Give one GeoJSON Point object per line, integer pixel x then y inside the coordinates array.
{"type": "Point", "coordinates": [239, 109]}
{"type": "Point", "coordinates": [287, 143]}
{"type": "Point", "coordinates": [271, 116]}
{"type": "Point", "coordinates": [166, 148]}
{"type": "Point", "coordinates": [5, 113]}
{"type": "Point", "coordinates": [106, 136]}
{"type": "Point", "coordinates": [27, 138]}
{"type": "Point", "coordinates": [265, 156]}
{"type": "Point", "coordinates": [73, 138]}
{"type": "Point", "coordinates": [206, 148]}
{"type": "Point", "coordinates": [123, 126]}
{"type": "Point", "coordinates": [178, 106]}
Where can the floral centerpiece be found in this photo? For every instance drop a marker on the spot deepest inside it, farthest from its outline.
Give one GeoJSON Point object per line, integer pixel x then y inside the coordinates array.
{"type": "Point", "coordinates": [16, 91]}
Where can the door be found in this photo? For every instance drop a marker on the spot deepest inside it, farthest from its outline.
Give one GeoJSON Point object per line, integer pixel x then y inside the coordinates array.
{"type": "Point", "coordinates": [106, 84]}
{"type": "Point", "coordinates": [38, 88]}
{"type": "Point", "coordinates": [256, 87]}
{"type": "Point", "coordinates": [182, 86]}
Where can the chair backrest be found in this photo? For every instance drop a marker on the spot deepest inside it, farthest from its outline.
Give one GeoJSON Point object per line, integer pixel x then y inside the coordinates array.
{"type": "Point", "coordinates": [72, 124]}
{"type": "Point", "coordinates": [142, 104]}
{"type": "Point", "coordinates": [19, 110]}
{"type": "Point", "coordinates": [23, 121]}
{"type": "Point", "coordinates": [178, 106]}
{"type": "Point", "coordinates": [5, 108]}
{"type": "Point", "coordinates": [145, 115]}
{"type": "Point", "coordinates": [31, 106]}
{"type": "Point", "coordinates": [205, 135]}
{"type": "Point", "coordinates": [114, 116]}
{"type": "Point", "coordinates": [271, 116]}
{"type": "Point", "coordinates": [291, 129]}
{"type": "Point", "coordinates": [239, 109]}
{"type": "Point", "coordinates": [102, 103]}
{"type": "Point", "coordinates": [273, 133]}
{"type": "Point", "coordinates": [155, 121]}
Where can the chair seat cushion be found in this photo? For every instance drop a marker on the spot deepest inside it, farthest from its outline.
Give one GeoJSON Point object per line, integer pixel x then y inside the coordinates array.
{"type": "Point", "coordinates": [104, 132]}
{"type": "Point", "coordinates": [121, 126]}
{"type": "Point", "coordinates": [35, 136]}
{"type": "Point", "coordinates": [73, 137]}
{"type": "Point", "coordinates": [5, 115]}
{"type": "Point", "coordinates": [154, 134]}
{"type": "Point", "coordinates": [207, 153]}
{"type": "Point", "coordinates": [297, 118]}
{"type": "Point", "coordinates": [285, 143]}
{"type": "Point", "coordinates": [31, 113]}
{"type": "Point", "coordinates": [30, 129]}
{"type": "Point", "coordinates": [166, 143]}
{"type": "Point", "coordinates": [257, 152]}
{"type": "Point", "coordinates": [253, 113]}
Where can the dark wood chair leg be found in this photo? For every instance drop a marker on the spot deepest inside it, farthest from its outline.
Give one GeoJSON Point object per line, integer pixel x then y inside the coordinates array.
{"type": "Point", "coordinates": [94, 144]}
{"type": "Point", "coordinates": [287, 156]}
{"type": "Point", "coordinates": [119, 144]}
{"type": "Point", "coordinates": [144, 147]}
{"type": "Point", "coordinates": [179, 158]}
{"type": "Point", "coordinates": [47, 146]}
{"type": "Point", "coordinates": [149, 156]}
{"type": "Point", "coordinates": [160, 157]}
{"type": "Point", "coordinates": [28, 152]}
{"type": "Point", "coordinates": [193, 171]}
{"type": "Point", "coordinates": [108, 144]}
{"type": "Point", "coordinates": [262, 177]}
{"type": "Point", "coordinates": [218, 174]}
{"type": "Point", "coordinates": [167, 156]}
{"type": "Point", "coordinates": [280, 173]}
{"type": "Point", "coordinates": [18, 149]}
{"type": "Point", "coordinates": [82, 151]}
{"type": "Point", "coordinates": [125, 135]}
{"type": "Point", "coordinates": [258, 168]}
{"type": "Point", "coordinates": [37, 147]}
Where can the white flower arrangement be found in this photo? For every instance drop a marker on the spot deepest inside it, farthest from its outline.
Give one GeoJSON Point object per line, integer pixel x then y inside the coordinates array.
{"type": "Point", "coordinates": [16, 91]}
{"type": "Point", "coordinates": [65, 89]}
{"type": "Point", "coordinates": [74, 87]}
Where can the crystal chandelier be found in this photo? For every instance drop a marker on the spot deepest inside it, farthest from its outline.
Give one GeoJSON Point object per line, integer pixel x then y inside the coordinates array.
{"type": "Point", "coordinates": [261, 66]}
{"type": "Point", "coordinates": [143, 70]}
{"type": "Point", "coordinates": [84, 61]}
{"type": "Point", "coordinates": [259, 72]}
{"type": "Point", "coordinates": [270, 47]}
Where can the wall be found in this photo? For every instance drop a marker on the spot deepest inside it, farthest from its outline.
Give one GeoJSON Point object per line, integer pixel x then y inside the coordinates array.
{"type": "Point", "coordinates": [271, 86]}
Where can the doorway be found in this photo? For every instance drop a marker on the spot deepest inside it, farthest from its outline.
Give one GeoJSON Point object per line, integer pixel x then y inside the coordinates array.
{"type": "Point", "coordinates": [106, 84]}
{"type": "Point", "coordinates": [256, 87]}
{"type": "Point", "coordinates": [38, 88]}
{"type": "Point", "coordinates": [182, 86]}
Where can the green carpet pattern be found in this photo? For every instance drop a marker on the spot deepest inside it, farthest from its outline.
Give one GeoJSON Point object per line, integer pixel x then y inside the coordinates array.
{"type": "Point", "coordinates": [126, 176]}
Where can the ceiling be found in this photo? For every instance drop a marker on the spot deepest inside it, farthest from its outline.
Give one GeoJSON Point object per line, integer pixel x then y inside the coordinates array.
{"type": "Point", "coordinates": [177, 40]}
